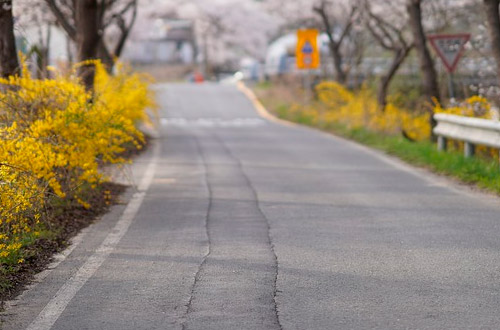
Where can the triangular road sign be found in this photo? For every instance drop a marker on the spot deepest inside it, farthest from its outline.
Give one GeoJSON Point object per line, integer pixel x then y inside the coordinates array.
{"type": "Point", "coordinates": [449, 47]}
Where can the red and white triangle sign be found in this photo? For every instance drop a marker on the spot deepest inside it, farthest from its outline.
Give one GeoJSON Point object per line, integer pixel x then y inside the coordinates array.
{"type": "Point", "coordinates": [449, 48]}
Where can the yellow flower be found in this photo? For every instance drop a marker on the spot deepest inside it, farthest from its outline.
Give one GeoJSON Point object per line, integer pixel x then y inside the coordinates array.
{"type": "Point", "coordinates": [53, 139]}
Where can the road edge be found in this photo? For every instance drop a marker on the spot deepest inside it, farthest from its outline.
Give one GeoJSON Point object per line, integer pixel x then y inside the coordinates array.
{"type": "Point", "coordinates": [144, 159]}
{"type": "Point", "coordinates": [56, 306]}
{"type": "Point", "coordinates": [422, 173]}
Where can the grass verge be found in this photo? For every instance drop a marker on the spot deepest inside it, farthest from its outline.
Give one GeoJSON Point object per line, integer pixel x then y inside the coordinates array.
{"type": "Point", "coordinates": [483, 173]}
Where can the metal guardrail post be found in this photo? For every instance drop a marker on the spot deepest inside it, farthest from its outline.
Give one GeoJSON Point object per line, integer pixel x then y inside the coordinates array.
{"type": "Point", "coordinates": [442, 143]}
{"type": "Point", "coordinates": [472, 131]}
{"type": "Point", "coordinates": [469, 149]}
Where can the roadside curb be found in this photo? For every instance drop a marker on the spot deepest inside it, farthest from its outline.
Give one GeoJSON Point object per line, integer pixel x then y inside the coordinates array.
{"type": "Point", "coordinates": [432, 178]}
{"type": "Point", "coordinates": [260, 108]}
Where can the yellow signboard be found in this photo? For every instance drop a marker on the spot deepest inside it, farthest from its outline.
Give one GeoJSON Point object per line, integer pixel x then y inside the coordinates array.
{"type": "Point", "coordinates": [307, 52]}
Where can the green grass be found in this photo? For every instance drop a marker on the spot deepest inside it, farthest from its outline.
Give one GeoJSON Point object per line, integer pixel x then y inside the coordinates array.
{"type": "Point", "coordinates": [10, 265]}
{"type": "Point", "coordinates": [483, 173]}
{"type": "Point", "coordinates": [62, 220]}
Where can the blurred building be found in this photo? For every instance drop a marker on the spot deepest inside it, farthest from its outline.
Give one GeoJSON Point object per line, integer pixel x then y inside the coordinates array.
{"type": "Point", "coordinates": [168, 41]}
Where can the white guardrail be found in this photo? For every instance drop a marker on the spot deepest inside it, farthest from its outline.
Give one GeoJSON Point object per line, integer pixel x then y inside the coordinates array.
{"type": "Point", "coordinates": [470, 130]}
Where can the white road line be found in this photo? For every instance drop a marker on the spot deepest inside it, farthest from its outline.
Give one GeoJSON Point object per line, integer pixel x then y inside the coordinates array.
{"type": "Point", "coordinates": [53, 310]}
{"type": "Point", "coordinates": [58, 258]}
{"type": "Point", "coordinates": [213, 122]}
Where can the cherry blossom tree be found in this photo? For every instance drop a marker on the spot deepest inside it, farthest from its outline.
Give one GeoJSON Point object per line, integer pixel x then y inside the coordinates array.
{"type": "Point", "coordinates": [87, 23]}
{"type": "Point", "coordinates": [492, 11]}
{"type": "Point", "coordinates": [333, 20]}
{"type": "Point", "coordinates": [226, 30]}
{"type": "Point", "coordinates": [390, 34]}
{"type": "Point", "coordinates": [35, 16]}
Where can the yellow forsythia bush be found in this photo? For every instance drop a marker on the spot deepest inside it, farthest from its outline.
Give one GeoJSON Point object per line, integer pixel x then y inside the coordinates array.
{"type": "Point", "coordinates": [360, 109]}
{"type": "Point", "coordinates": [54, 135]}
{"type": "Point", "coordinates": [475, 106]}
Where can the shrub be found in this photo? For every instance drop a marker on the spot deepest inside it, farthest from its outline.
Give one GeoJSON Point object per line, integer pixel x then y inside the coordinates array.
{"type": "Point", "coordinates": [54, 135]}
{"type": "Point", "coordinates": [475, 106]}
{"type": "Point", "coordinates": [360, 109]}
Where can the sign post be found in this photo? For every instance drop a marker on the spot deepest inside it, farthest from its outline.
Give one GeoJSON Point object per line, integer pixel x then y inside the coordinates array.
{"type": "Point", "coordinates": [307, 55]}
{"type": "Point", "coordinates": [450, 48]}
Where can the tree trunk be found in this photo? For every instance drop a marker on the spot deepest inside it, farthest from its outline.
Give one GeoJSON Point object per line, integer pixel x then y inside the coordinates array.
{"type": "Point", "coordinates": [430, 81]}
{"type": "Point", "coordinates": [125, 30]}
{"type": "Point", "coordinates": [340, 74]}
{"type": "Point", "coordinates": [9, 65]}
{"type": "Point", "coordinates": [105, 57]}
{"type": "Point", "coordinates": [88, 30]}
{"type": "Point", "coordinates": [491, 8]}
{"type": "Point", "coordinates": [43, 54]}
{"type": "Point", "coordinates": [69, 50]}
{"type": "Point", "coordinates": [46, 51]}
{"type": "Point", "coordinates": [88, 38]}
{"type": "Point", "coordinates": [386, 79]}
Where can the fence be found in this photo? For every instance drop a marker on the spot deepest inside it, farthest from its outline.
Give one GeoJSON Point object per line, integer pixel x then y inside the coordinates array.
{"type": "Point", "coordinates": [471, 131]}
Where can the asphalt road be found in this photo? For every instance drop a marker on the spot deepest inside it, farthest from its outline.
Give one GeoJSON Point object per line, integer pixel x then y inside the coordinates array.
{"type": "Point", "coordinates": [243, 223]}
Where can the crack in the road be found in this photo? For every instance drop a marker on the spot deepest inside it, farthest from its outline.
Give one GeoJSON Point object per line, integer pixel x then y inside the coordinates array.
{"type": "Point", "coordinates": [207, 231]}
{"type": "Point", "coordinates": [207, 228]}
{"type": "Point", "coordinates": [259, 208]}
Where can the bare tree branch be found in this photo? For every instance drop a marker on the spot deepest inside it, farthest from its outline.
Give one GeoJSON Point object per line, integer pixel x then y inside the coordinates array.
{"type": "Point", "coordinates": [67, 16]}
{"type": "Point", "coordinates": [62, 19]}
{"type": "Point", "coordinates": [125, 28]}
{"type": "Point", "coordinates": [335, 45]}
{"type": "Point", "coordinates": [391, 38]}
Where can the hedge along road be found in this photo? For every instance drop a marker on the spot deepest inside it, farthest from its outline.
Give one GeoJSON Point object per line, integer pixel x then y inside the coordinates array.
{"type": "Point", "coordinates": [244, 223]}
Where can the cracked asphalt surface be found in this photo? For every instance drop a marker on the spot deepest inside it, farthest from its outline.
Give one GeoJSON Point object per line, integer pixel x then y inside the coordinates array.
{"type": "Point", "coordinates": [249, 224]}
